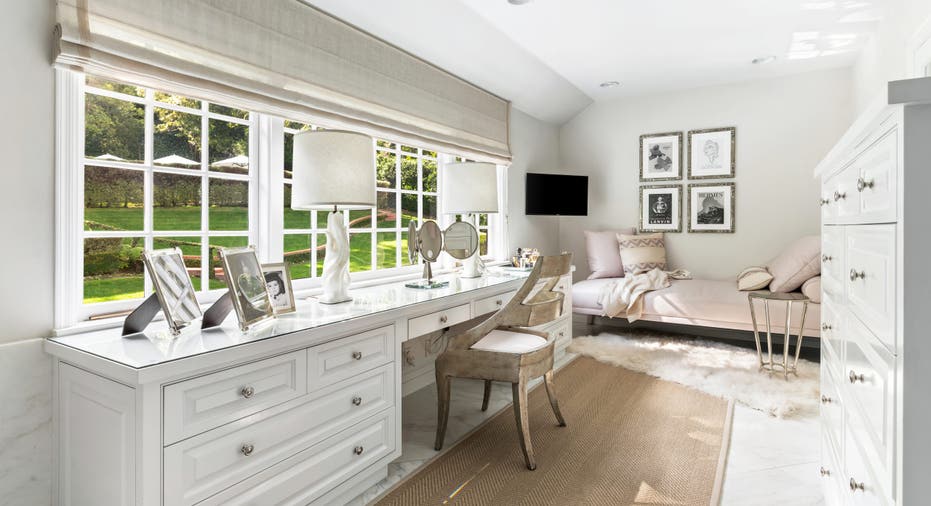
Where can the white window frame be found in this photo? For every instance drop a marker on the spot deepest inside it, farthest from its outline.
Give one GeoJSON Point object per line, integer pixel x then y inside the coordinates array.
{"type": "Point", "coordinates": [266, 221]}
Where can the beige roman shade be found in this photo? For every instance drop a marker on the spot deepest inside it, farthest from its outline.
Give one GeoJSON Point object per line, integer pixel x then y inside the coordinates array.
{"type": "Point", "coordinates": [286, 58]}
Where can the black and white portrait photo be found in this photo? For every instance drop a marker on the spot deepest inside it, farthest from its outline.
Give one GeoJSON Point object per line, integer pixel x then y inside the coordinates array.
{"type": "Point", "coordinates": [660, 208]}
{"type": "Point", "coordinates": [660, 156]}
{"type": "Point", "coordinates": [246, 284]}
{"type": "Point", "coordinates": [712, 153]}
{"type": "Point", "coordinates": [278, 284]}
{"type": "Point", "coordinates": [711, 207]}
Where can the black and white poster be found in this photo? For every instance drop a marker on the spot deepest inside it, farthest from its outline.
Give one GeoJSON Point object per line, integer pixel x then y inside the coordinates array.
{"type": "Point", "coordinates": [660, 157]}
{"type": "Point", "coordinates": [712, 153]}
{"type": "Point", "coordinates": [661, 208]}
{"type": "Point", "coordinates": [711, 207]}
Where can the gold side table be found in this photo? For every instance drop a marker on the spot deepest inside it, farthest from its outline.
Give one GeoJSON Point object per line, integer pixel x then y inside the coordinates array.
{"type": "Point", "coordinates": [789, 299]}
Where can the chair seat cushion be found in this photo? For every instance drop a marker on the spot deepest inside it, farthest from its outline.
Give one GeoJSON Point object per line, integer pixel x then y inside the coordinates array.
{"type": "Point", "coordinates": [507, 341]}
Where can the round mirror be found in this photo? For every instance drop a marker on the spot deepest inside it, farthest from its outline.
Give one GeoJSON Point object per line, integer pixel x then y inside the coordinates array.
{"type": "Point", "coordinates": [430, 239]}
{"type": "Point", "coordinates": [461, 240]}
{"type": "Point", "coordinates": [413, 242]}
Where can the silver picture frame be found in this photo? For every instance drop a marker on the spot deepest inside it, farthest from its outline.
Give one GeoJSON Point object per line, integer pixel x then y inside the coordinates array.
{"type": "Point", "coordinates": [710, 197]}
{"type": "Point", "coordinates": [246, 284]}
{"type": "Point", "coordinates": [662, 148]}
{"type": "Point", "coordinates": [279, 274]}
{"type": "Point", "coordinates": [173, 287]}
{"type": "Point", "coordinates": [707, 158]}
{"type": "Point", "coordinates": [661, 203]}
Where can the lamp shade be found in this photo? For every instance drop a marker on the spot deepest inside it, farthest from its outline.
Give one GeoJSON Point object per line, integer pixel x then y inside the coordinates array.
{"type": "Point", "coordinates": [333, 168]}
{"type": "Point", "coordinates": [469, 187]}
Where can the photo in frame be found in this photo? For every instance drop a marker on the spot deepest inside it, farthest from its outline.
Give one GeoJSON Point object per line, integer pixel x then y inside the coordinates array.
{"type": "Point", "coordinates": [246, 285]}
{"type": "Point", "coordinates": [661, 208]}
{"type": "Point", "coordinates": [661, 157]}
{"type": "Point", "coordinates": [711, 207]}
{"type": "Point", "coordinates": [278, 284]}
{"type": "Point", "coordinates": [173, 287]}
{"type": "Point", "coordinates": [712, 153]}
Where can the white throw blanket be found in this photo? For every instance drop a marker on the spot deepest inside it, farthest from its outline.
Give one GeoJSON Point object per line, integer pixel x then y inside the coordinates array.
{"type": "Point", "coordinates": [625, 295]}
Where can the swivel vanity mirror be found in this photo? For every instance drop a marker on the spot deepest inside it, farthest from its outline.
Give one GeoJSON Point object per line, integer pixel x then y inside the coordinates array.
{"type": "Point", "coordinates": [460, 240]}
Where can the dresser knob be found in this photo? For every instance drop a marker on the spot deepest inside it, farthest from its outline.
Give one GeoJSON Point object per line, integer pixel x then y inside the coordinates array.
{"type": "Point", "coordinates": [357, 400]}
{"type": "Point", "coordinates": [357, 355]}
{"type": "Point", "coordinates": [562, 333]}
{"type": "Point", "coordinates": [826, 258]}
{"type": "Point", "coordinates": [247, 392]}
{"type": "Point", "coordinates": [826, 400]}
{"type": "Point", "coordinates": [444, 319]}
{"type": "Point", "coordinates": [825, 202]}
{"type": "Point", "coordinates": [863, 184]}
{"type": "Point", "coordinates": [854, 275]}
{"type": "Point", "coordinates": [854, 485]}
{"type": "Point", "coordinates": [854, 377]}
{"type": "Point", "coordinates": [247, 449]}
{"type": "Point", "coordinates": [499, 302]}
{"type": "Point", "coordinates": [825, 472]}
{"type": "Point", "coordinates": [839, 196]}
{"type": "Point", "coordinates": [826, 327]}
{"type": "Point", "coordinates": [358, 450]}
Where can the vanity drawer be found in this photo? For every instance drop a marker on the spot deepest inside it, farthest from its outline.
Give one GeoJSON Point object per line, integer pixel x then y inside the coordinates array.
{"type": "Point", "coordinates": [203, 403]}
{"type": "Point", "coordinates": [860, 484]}
{"type": "Point", "coordinates": [344, 358]}
{"type": "Point", "coordinates": [876, 183]}
{"type": "Point", "coordinates": [840, 192]}
{"type": "Point", "coordinates": [832, 472]}
{"type": "Point", "coordinates": [439, 320]}
{"type": "Point", "coordinates": [832, 410]}
{"type": "Point", "coordinates": [871, 279]}
{"type": "Point", "coordinates": [307, 476]}
{"type": "Point", "coordinates": [493, 303]}
{"type": "Point", "coordinates": [833, 248]}
{"type": "Point", "coordinates": [201, 466]}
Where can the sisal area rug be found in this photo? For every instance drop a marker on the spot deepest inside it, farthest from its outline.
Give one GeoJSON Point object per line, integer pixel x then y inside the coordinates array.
{"type": "Point", "coordinates": [631, 439]}
{"type": "Point", "coordinates": [716, 368]}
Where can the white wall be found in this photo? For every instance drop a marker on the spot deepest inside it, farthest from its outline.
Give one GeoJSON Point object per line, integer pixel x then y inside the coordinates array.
{"type": "Point", "coordinates": [885, 57]}
{"type": "Point", "coordinates": [784, 127]}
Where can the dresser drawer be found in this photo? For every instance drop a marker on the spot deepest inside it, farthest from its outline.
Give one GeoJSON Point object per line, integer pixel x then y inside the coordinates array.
{"type": "Point", "coordinates": [201, 466]}
{"type": "Point", "coordinates": [832, 410]}
{"type": "Point", "coordinates": [344, 358]}
{"type": "Point", "coordinates": [493, 303]}
{"type": "Point", "coordinates": [871, 275]}
{"type": "Point", "coordinates": [203, 403]}
{"type": "Point", "coordinates": [876, 182]}
{"type": "Point", "coordinates": [307, 476]}
{"type": "Point", "coordinates": [439, 320]}
{"type": "Point", "coordinates": [833, 248]}
{"type": "Point", "coordinates": [832, 335]}
{"type": "Point", "coordinates": [860, 485]}
{"type": "Point", "coordinates": [870, 399]}
{"type": "Point", "coordinates": [840, 192]}
{"type": "Point", "coordinates": [832, 472]}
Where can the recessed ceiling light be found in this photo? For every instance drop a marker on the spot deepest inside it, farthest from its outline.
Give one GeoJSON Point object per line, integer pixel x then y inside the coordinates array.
{"type": "Point", "coordinates": [519, 2]}
{"type": "Point", "coordinates": [609, 84]}
{"type": "Point", "coordinates": [763, 59]}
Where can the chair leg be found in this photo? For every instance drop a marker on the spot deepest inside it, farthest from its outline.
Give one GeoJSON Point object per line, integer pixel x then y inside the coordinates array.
{"type": "Point", "coordinates": [442, 408]}
{"type": "Point", "coordinates": [487, 395]}
{"type": "Point", "coordinates": [551, 393]}
{"type": "Point", "coordinates": [523, 422]}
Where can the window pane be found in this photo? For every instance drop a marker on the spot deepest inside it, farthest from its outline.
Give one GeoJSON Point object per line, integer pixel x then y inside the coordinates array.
{"type": "Point", "coordinates": [360, 252]}
{"type": "Point", "coordinates": [176, 202]}
{"type": "Point", "coordinates": [386, 170]}
{"type": "Point", "coordinates": [217, 276]}
{"type": "Point", "coordinates": [360, 219]}
{"type": "Point", "coordinates": [294, 220]}
{"type": "Point", "coordinates": [429, 153]}
{"type": "Point", "coordinates": [103, 84]}
{"type": "Point", "coordinates": [483, 220]}
{"type": "Point", "coordinates": [387, 209]}
{"type": "Point", "coordinates": [408, 207]}
{"type": "Point", "coordinates": [429, 207]}
{"type": "Point", "coordinates": [385, 144]}
{"type": "Point", "coordinates": [322, 217]}
{"type": "Point", "coordinates": [483, 242]}
{"type": "Point", "coordinates": [113, 129]}
{"type": "Point", "coordinates": [190, 251]}
{"type": "Point", "coordinates": [113, 269]}
{"type": "Point", "coordinates": [321, 252]}
{"type": "Point", "coordinates": [229, 204]}
{"type": "Point", "coordinates": [405, 259]}
{"type": "Point", "coordinates": [288, 155]}
{"type": "Point", "coordinates": [168, 98]}
{"type": "Point", "coordinates": [297, 255]}
{"type": "Point", "coordinates": [177, 139]}
{"type": "Point", "coordinates": [387, 250]}
{"type": "Point", "coordinates": [408, 173]}
{"type": "Point", "coordinates": [113, 199]}
{"type": "Point", "coordinates": [228, 111]}
{"type": "Point", "coordinates": [409, 149]}
{"type": "Point", "coordinates": [429, 175]}
{"type": "Point", "coordinates": [229, 147]}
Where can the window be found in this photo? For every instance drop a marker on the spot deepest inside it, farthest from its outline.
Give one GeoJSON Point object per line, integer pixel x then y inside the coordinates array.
{"type": "Point", "coordinates": [159, 169]}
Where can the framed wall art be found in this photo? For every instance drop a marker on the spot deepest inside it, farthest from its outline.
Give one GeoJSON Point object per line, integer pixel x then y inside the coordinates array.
{"type": "Point", "coordinates": [712, 153]}
{"type": "Point", "coordinates": [711, 207]}
{"type": "Point", "coordinates": [661, 208]}
{"type": "Point", "coordinates": [661, 157]}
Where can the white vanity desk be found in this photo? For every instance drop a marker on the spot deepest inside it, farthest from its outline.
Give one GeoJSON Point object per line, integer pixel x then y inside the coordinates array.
{"type": "Point", "coordinates": [305, 409]}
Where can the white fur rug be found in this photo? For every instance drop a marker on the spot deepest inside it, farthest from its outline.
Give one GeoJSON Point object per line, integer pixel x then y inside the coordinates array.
{"type": "Point", "coordinates": [712, 367]}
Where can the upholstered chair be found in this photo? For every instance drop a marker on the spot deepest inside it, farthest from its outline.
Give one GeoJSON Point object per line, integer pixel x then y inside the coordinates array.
{"type": "Point", "coordinates": [502, 348]}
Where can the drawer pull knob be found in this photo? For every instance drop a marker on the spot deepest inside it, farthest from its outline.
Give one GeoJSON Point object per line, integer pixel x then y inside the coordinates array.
{"type": "Point", "coordinates": [825, 472]}
{"type": "Point", "coordinates": [499, 302]}
{"type": "Point", "coordinates": [562, 333]}
{"type": "Point", "coordinates": [863, 184]}
{"type": "Point", "coordinates": [357, 355]}
{"type": "Point", "coordinates": [854, 275]}
{"type": "Point", "coordinates": [247, 449]}
{"type": "Point", "coordinates": [826, 258]}
{"type": "Point", "coordinates": [826, 327]}
{"type": "Point", "coordinates": [826, 400]}
{"type": "Point", "coordinates": [854, 485]}
{"type": "Point", "coordinates": [825, 202]}
{"type": "Point", "coordinates": [443, 319]}
{"type": "Point", "coordinates": [854, 377]}
{"type": "Point", "coordinates": [358, 450]}
{"type": "Point", "coordinates": [247, 392]}
{"type": "Point", "coordinates": [839, 196]}
{"type": "Point", "coordinates": [357, 400]}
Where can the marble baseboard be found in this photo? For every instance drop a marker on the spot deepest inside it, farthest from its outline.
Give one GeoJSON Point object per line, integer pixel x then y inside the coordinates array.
{"type": "Point", "coordinates": [25, 424]}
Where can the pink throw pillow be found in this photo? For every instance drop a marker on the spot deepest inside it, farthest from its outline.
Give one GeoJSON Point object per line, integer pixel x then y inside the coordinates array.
{"type": "Point", "coordinates": [604, 256]}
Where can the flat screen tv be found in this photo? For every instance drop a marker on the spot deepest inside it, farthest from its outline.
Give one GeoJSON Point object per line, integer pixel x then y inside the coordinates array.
{"type": "Point", "coordinates": [557, 194]}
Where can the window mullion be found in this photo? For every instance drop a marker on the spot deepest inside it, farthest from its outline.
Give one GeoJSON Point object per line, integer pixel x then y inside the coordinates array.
{"type": "Point", "coordinates": [268, 132]}
{"type": "Point", "coordinates": [205, 266]}
{"type": "Point", "coordinates": [148, 197]}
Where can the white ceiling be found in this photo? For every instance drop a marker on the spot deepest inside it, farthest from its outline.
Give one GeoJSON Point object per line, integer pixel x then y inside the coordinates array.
{"type": "Point", "coordinates": [549, 56]}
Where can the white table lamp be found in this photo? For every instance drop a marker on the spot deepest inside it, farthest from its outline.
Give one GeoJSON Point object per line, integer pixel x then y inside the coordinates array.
{"type": "Point", "coordinates": [333, 170]}
{"type": "Point", "coordinates": [469, 188]}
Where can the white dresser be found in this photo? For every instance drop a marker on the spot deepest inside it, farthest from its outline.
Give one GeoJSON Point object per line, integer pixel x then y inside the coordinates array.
{"type": "Point", "coordinates": [306, 410]}
{"type": "Point", "coordinates": [876, 307]}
